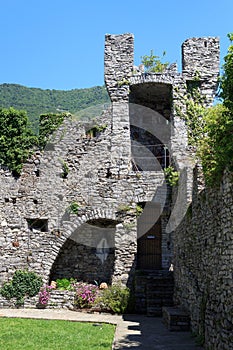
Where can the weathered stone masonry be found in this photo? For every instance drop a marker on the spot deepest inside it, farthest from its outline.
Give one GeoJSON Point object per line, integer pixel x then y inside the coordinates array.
{"type": "Point", "coordinates": [108, 175]}
{"type": "Point", "coordinates": [204, 263]}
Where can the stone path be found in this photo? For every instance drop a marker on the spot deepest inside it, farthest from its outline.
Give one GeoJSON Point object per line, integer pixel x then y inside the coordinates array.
{"type": "Point", "coordinates": [134, 332]}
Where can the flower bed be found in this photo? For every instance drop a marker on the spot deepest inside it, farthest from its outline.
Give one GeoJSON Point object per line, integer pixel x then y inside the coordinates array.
{"type": "Point", "coordinates": [73, 295]}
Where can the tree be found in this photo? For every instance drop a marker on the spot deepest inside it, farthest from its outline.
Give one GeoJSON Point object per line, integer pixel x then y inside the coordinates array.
{"type": "Point", "coordinates": [16, 139]}
{"type": "Point", "coordinates": [216, 147]}
{"type": "Point", "coordinates": [153, 63]}
{"type": "Point", "coordinates": [227, 78]}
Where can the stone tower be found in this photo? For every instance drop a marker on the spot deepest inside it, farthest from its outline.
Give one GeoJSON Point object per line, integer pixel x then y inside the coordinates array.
{"type": "Point", "coordinates": [144, 113]}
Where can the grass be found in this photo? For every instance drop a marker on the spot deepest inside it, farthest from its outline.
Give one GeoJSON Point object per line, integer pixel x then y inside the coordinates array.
{"type": "Point", "coordinates": [28, 334]}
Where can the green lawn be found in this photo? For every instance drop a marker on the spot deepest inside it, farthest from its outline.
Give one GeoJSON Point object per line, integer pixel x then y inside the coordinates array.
{"type": "Point", "coordinates": [33, 334]}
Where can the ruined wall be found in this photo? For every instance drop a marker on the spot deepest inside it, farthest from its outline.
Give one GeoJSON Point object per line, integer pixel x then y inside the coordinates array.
{"type": "Point", "coordinates": [43, 196]}
{"type": "Point", "coordinates": [204, 264]}
{"type": "Point", "coordinates": [100, 177]}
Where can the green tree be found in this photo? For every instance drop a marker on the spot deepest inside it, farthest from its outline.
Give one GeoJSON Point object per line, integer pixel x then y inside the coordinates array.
{"type": "Point", "coordinates": [216, 147]}
{"type": "Point", "coordinates": [153, 63]}
{"type": "Point", "coordinates": [227, 78]}
{"type": "Point", "coordinates": [37, 101]}
{"type": "Point", "coordinates": [48, 124]}
{"type": "Point", "coordinates": [16, 139]}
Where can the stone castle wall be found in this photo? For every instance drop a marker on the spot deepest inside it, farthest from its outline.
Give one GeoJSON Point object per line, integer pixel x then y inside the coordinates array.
{"type": "Point", "coordinates": [37, 229]}
{"type": "Point", "coordinates": [203, 254]}
{"type": "Point", "coordinates": [36, 221]}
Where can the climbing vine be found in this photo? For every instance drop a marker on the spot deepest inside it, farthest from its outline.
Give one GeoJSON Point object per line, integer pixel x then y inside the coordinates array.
{"type": "Point", "coordinates": [216, 146]}
{"type": "Point", "coordinates": [171, 175]}
{"type": "Point", "coordinates": [48, 124]}
{"type": "Point", "coordinates": [210, 130]}
{"type": "Point", "coordinates": [194, 112]}
{"type": "Point", "coordinates": [16, 139]}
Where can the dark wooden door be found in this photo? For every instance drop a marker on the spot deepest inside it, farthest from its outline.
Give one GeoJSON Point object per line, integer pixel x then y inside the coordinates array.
{"type": "Point", "coordinates": [149, 249]}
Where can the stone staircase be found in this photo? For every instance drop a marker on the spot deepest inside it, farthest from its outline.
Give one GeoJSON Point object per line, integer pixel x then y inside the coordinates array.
{"type": "Point", "coordinates": [153, 291]}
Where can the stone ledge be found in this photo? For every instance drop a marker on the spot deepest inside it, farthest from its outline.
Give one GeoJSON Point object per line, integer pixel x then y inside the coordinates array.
{"type": "Point", "coordinates": [176, 319]}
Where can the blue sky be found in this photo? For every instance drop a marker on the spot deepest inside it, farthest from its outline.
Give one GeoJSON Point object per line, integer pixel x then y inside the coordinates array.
{"type": "Point", "coordinates": [54, 44]}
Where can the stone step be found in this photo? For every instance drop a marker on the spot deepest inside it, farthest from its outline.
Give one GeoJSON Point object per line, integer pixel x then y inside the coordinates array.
{"type": "Point", "coordinates": [176, 319]}
{"type": "Point", "coordinates": [153, 291]}
{"type": "Point", "coordinates": [154, 311]}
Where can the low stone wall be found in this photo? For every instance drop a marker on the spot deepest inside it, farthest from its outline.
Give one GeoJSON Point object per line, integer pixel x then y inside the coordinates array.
{"type": "Point", "coordinates": [59, 299]}
{"type": "Point", "coordinates": [204, 265]}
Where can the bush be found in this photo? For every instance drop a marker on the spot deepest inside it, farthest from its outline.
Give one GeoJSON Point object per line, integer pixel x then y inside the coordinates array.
{"type": "Point", "coordinates": [115, 298]}
{"type": "Point", "coordinates": [44, 294]}
{"type": "Point", "coordinates": [24, 283]}
{"type": "Point", "coordinates": [153, 63]}
{"type": "Point", "coordinates": [85, 294]}
{"type": "Point", "coordinates": [65, 284]}
{"type": "Point", "coordinates": [16, 139]}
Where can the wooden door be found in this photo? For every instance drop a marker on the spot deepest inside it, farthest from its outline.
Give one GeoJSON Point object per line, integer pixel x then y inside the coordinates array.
{"type": "Point", "coordinates": [149, 249]}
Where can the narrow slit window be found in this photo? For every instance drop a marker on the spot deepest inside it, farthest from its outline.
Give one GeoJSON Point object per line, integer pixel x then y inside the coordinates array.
{"type": "Point", "coordinates": [38, 224]}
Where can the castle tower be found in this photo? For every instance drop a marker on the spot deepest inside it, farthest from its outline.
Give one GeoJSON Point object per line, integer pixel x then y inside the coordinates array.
{"type": "Point", "coordinates": [118, 62]}
{"type": "Point", "coordinates": [144, 112]}
{"type": "Point", "coordinates": [200, 60]}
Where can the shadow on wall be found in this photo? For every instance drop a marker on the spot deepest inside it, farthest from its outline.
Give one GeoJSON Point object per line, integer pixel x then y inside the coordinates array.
{"type": "Point", "coordinates": [89, 254]}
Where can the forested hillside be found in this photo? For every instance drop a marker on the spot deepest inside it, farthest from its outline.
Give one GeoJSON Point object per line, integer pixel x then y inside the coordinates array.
{"type": "Point", "coordinates": [36, 101]}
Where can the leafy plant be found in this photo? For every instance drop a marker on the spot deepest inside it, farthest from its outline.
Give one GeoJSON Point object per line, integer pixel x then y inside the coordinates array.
{"type": "Point", "coordinates": [48, 124]}
{"type": "Point", "coordinates": [227, 78]}
{"type": "Point", "coordinates": [215, 149]}
{"type": "Point", "coordinates": [24, 283]}
{"type": "Point", "coordinates": [65, 284]}
{"type": "Point", "coordinates": [114, 298]}
{"type": "Point", "coordinates": [44, 294]}
{"type": "Point", "coordinates": [123, 82]}
{"type": "Point", "coordinates": [74, 208]}
{"type": "Point", "coordinates": [85, 294]}
{"type": "Point", "coordinates": [65, 169]}
{"type": "Point", "coordinates": [139, 209]}
{"type": "Point", "coordinates": [95, 130]}
{"type": "Point", "coordinates": [194, 112]}
{"type": "Point", "coordinates": [172, 176]}
{"type": "Point", "coordinates": [216, 146]}
{"type": "Point", "coordinates": [153, 63]}
{"type": "Point", "coordinates": [16, 139]}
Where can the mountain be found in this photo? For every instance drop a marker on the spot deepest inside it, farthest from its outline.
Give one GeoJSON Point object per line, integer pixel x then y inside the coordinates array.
{"type": "Point", "coordinates": [37, 101]}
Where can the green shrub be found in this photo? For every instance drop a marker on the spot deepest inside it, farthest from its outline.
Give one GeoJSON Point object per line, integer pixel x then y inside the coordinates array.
{"type": "Point", "coordinates": [85, 294]}
{"type": "Point", "coordinates": [24, 283]}
{"type": "Point", "coordinates": [48, 124]}
{"type": "Point", "coordinates": [65, 284]}
{"type": "Point", "coordinates": [153, 63]}
{"type": "Point", "coordinates": [73, 208]}
{"type": "Point", "coordinates": [114, 298]}
{"type": "Point", "coordinates": [16, 139]}
{"type": "Point", "coordinates": [172, 176]}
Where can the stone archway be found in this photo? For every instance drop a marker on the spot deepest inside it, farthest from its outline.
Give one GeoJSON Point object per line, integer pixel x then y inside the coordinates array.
{"type": "Point", "coordinates": [89, 253]}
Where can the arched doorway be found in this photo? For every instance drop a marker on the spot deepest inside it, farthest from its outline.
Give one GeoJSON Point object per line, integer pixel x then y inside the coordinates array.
{"type": "Point", "coordinates": [88, 254]}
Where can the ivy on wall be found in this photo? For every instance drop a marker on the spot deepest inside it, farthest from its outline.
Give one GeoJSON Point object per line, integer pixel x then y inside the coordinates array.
{"type": "Point", "coordinates": [16, 139]}
{"type": "Point", "coordinates": [48, 124]}
{"type": "Point", "coordinates": [210, 130]}
{"type": "Point", "coordinates": [216, 146]}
